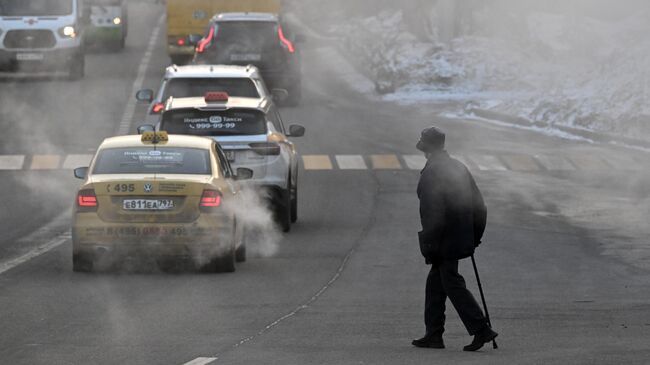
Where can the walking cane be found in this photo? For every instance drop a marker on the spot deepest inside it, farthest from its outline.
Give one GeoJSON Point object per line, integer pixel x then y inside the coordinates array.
{"type": "Point", "coordinates": [480, 289]}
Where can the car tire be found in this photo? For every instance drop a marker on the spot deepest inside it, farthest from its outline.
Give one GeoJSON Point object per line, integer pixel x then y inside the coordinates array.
{"type": "Point", "coordinates": [240, 253]}
{"type": "Point", "coordinates": [77, 69]}
{"type": "Point", "coordinates": [82, 263]}
{"type": "Point", "coordinates": [294, 203]}
{"type": "Point", "coordinates": [282, 210]}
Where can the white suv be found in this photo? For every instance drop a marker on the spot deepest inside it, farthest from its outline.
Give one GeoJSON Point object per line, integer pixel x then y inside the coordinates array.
{"type": "Point", "coordinates": [196, 80]}
{"type": "Point", "coordinates": [42, 35]}
{"type": "Point", "coordinates": [253, 136]}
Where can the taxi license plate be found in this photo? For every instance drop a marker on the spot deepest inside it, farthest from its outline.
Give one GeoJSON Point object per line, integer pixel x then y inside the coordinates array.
{"type": "Point", "coordinates": [29, 57]}
{"type": "Point", "coordinates": [230, 155]}
{"type": "Point", "coordinates": [246, 57]}
{"type": "Point", "coordinates": [148, 204]}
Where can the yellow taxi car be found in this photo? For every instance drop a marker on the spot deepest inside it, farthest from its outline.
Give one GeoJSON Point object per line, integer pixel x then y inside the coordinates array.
{"type": "Point", "coordinates": [158, 197]}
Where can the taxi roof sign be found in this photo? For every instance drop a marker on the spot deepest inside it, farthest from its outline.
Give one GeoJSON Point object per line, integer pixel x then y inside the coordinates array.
{"type": "Point", "coordinates": [150, 137]}
{"type": "Point", "coordinates": [216, 96]}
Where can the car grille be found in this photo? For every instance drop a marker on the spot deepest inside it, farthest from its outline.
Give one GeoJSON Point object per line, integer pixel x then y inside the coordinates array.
{"type": "Point", "coordinates": [28, 39]}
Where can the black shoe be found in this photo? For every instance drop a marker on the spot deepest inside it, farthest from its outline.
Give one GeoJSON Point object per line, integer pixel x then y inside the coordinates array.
{"type": "Point", "coordinates": [429, 341]}
{"type": "Point", "coordinates": [480, 339]}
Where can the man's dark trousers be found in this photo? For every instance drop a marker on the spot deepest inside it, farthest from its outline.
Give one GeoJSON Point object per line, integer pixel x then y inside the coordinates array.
{"type": "Point", "coordinates": [445, 281]}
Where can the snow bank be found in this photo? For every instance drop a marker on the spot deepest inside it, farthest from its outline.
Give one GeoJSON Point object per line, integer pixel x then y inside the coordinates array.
{"type": "Point", "coordinates": [567, 70]}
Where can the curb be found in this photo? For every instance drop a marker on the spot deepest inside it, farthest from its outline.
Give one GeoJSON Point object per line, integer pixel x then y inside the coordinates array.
{"type": "Point", "coordinates": [594, 136]}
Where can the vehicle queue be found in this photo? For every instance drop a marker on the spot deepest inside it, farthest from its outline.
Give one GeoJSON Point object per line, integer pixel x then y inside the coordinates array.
{"type": "Point", "coordinates": [212, 130]}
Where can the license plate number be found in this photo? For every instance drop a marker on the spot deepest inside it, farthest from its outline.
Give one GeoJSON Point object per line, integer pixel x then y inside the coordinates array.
{"type": "Point", "coordinates": [29, 56]}
{"type": "Point", "coordinates": [148, 204]}
{"type": "Point", "coordinates": [230, 155]}
{"type": "Point", "coordinates": [246, 57]}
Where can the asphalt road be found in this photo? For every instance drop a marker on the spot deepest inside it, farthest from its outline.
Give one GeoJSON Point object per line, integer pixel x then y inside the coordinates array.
{"type": "Point", "coordinates": [566, 273]}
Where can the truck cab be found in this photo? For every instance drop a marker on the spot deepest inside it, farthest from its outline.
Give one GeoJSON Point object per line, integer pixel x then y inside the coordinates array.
{"type": "Point", "coordinates": [38, 36]}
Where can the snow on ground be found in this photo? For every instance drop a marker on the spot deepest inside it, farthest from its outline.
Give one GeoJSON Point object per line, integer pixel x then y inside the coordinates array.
{"type": "Point", "coordinates": [573, 71]}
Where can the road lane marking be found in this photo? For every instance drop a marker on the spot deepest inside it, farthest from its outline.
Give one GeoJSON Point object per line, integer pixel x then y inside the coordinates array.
{"type": "Point", "coordinates": [520, 163]}
{"type": "Point", "coordinates": [12, 162]}
{"type": "Point", "coordinates": [317, 162]}
{"type": "Point", "coordinates": [74, 161]}
{"type": "Point", "coordinates": [201, 361]}
{"type": "Point", "coordinates": [555, 163]}
{"type": "Point", "coordinates": [351, 162]}
{"type": "Point", "coordinates": [385, 162]}
{"type": "Point", "coordinates": [45, 162]}
{"type": "Point", "coordinates": [589, 162]}
{"type": "Point", "coordinates": [415, 162]}
{"type": "Point", "coordinates": [48, 246]}
{"type": "Point", "coordinates": [488, 163]}
{"type": "Point", "coordinates": [129, 110]}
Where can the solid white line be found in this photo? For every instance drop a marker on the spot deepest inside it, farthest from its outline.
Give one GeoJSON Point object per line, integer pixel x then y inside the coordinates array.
{"type": "Point", "coordinates": [201, 361]}
{"type": "Point", "coordinates": [129, 110]}
{"type": "Point", "coordinates": [14, 162]}
{"type": "Point", "coordinates": [54, 243]}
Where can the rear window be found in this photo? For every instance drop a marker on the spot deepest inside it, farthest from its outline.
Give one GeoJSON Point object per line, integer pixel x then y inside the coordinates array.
{"type": "Point", "coordinates": [35, 7]}
{"type": "Point", "coordinates": [147, 160]}
{"type": "Point", "coordinates": [189, 87]}
{"type": "Point", "coordinates": [214, 122]}
{"type": "Point", "coordinates": [255, 35]}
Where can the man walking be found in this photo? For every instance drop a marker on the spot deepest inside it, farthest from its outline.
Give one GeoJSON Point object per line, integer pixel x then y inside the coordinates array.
{"type": "Point", "coordinates": [453, 217]}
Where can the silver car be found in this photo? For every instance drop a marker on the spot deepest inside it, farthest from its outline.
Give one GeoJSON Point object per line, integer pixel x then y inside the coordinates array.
{"type": "Point", "coordinates": [196, 80]}
{"type": "Point", "coordinates": [252, 135]}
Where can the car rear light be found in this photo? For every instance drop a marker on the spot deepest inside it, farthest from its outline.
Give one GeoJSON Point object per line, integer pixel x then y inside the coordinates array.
{"type": "Point", "coordinates": [205, 41]}
{"type": "Point", "coordinates": [266, 148]}
{"type": "Point", "coordinates": [287, 43]}
{"type": "Point", "coordinates": [181, 42]}
{"type": "Point", "coordinates": [157, 108]}
{"type": "Point", "coordinates": [210, 199]}
{"type": "Point", "coordinates": [87, 201]}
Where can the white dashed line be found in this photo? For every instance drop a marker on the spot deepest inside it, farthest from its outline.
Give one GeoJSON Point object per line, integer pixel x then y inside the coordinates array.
{"type": "Point", "coordinates": [201, 361]}
{"type": "Point", "coordinates": [14, 162]}
{"type": "Point", "coordinates": [488, 163]}
{"type": "Point", "coordinates": [74, 161]}
{"type": "Point", "coordinates": [129, 110]}
{"type": "Point", "coordinates": [415, 162]}
{"type": "Point", "coordinates": [351, 162]}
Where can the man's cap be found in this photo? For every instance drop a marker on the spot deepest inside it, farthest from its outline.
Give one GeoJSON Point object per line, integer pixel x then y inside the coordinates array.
{"type": "Point", "coordinates": [431, 139]}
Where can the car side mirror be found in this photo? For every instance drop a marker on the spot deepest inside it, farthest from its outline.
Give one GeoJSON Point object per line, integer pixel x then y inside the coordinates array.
{"type": "Point", "coordinates": [145, 95]}
{"type": "Point", "coordinates": [81, 173]}
{"type": "Point", "coordinates": [280, 95]}
{"type": "Point", "coordinates": [244, 174]}
{"type": "Point", "coordinates": [300, 38]}
{"type": "Point", "coordinates": [296, 130]}
{"type": "Point", "coordinates": [146, 128]}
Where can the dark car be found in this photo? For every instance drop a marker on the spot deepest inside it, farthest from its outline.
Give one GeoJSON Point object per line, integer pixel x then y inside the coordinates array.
{"type": "Point", "coordinates": [258, 39]}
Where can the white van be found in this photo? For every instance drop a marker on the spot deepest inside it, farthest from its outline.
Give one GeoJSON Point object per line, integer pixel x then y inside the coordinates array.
{"type": "Point", "coordinates": [39, 36]}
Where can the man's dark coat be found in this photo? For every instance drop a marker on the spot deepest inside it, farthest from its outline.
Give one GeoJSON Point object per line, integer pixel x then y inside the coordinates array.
{"type": "Point", "coordinates": [452, 210]}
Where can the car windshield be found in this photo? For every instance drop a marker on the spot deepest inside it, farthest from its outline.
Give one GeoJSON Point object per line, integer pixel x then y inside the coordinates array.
{"type": "Point", "coordinates": [214, 122]}
{"type": "Point", "coordinates": [189, 87]}
{"type": "Point", "coordinates": [147, 160]}
{"type": "Point", "coordinates": [35, 7]}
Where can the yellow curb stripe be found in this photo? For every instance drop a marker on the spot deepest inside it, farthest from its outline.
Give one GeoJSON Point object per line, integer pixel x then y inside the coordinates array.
{"type": "Point", "coordinates": [385, 162]}
{"type": "Point", "coordinates": [45, 162]}
{"type": "Point", "coordinates": [520, 162]}
{"type": "Point", "coordinates": [317, 162]}
{"type": "Point", "coordinates": [589, 163]}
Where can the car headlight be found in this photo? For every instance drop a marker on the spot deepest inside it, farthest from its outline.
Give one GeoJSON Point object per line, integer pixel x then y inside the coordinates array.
{"type": "Point", "coordinates": [68, 31]}
{"type": "Point", "coordinates": [117, 20]}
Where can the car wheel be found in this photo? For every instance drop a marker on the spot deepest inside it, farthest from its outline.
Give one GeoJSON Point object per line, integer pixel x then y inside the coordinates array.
{"type": "Point", "coordinates": [282, 210]}
{"type": "Point", "coordinates": [82, 263]}
{"type": "Point", "coordinates": [294, 203]}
